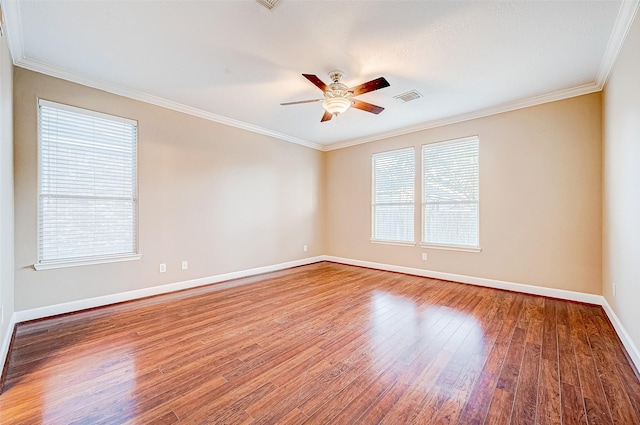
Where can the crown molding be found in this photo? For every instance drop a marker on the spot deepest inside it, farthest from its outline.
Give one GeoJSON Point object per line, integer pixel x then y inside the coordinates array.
{"type": "Point", "coordinates": [13, 28]}
{"type": "Point", "coordinates": [622, 25]}
{"type": "Point", "coordinates": [13, 22]}
{"type": "Point", "coordinates": [74, 77]}
{"type": "Point", "coordinates": [624, 20]}
{"type": "Point", "coordinates": [626, 15]}
{"type": "Point", "coordinates": [507, 107]}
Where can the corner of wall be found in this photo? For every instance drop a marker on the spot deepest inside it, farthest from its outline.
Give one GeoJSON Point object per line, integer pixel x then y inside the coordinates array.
{"type": "Point", "coordinates": [6, 201]}
{"type": "Point", "coordinates": [324, 204]}
{"type": "Point", "coordinates": [621, 201]}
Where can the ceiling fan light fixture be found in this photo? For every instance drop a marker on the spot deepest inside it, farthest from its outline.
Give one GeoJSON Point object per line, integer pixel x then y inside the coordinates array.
{"type": "Point", "coordinates": [338, 97]}
{"type": "Point", "coordinates": [336, 105]}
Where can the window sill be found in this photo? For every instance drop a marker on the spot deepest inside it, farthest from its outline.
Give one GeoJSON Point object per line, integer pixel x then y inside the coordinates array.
{"type": "Point", "coordinates": [86, 262]}
{"type": "Point", "coordinates": [393, 242]}
{"type": "Point", "coordinates": [451, 248]}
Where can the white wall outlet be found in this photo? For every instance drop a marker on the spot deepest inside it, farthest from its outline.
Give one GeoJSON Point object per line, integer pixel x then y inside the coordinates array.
{"type": "Point", "coordinates": [304, 248]}
{"type": "Point", "coordinates": [614, 289]}
{"type": "Point", "coordinates": [185, 264]}
{"type": "Point", "coordinates": [424, 255]}
{"type": "Point", "coordinates": [163, 267]}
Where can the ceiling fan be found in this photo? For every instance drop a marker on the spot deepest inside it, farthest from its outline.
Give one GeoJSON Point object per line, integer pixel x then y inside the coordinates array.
{"type": "Point", "coordinates": [338, 97]}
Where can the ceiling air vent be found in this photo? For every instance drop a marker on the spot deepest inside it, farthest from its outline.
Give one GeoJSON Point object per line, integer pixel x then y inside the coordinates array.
{"type": "Point", "coordinates": [408, 96]}
{"type": "Point", "coordinates": [269, 4]}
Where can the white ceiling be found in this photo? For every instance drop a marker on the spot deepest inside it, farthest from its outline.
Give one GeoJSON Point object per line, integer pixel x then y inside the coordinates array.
{"type": "Point", "coordinates": [236, 61]}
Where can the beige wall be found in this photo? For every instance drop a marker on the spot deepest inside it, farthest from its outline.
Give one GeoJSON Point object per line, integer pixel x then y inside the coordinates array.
{"type": "Point", "coordinates": [540, 198]}
{"type": "Point", "coordinates": [621, 184]}
{"type": "Point", "coordinates": [228, 200]}
{"type": "Point", "coordinates": [222, 198]}
{"type": "Point", "coordinates": [6, 191]}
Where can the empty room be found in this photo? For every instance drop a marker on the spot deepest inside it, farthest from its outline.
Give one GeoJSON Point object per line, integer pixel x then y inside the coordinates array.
{"type": "Point", "coordinates": [320, 212]}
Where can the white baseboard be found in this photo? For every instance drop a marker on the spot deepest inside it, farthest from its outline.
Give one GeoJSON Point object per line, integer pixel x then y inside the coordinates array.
{"type": "Point", "coordinates": [631, 347]}
{"type": "Point", "coordinates": [38, 313]}
{"type": "Point", "coordinates": [52, 310]}
{"type": "Point", "coordinates": [6, 342]}
{"type": "Point", "coordinates": [478, 281]}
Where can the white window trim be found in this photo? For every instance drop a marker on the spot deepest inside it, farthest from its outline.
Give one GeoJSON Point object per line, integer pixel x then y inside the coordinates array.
{"type": "Point", "coordinates": [451, 247]}
{"type": "Point", "coordinates": [385, 242]}
{"type": "Point", "coordinates": [104, 259]}
{"type": "Point", "coordinates": [461, 248]}
{"type": "Point", "coordinates": [88, 262]}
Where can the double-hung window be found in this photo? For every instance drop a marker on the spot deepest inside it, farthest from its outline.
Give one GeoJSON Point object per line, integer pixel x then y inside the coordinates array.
{"type": "Point", "coordinates": [87, 187]}
{"type": "Point", "coordinates": [392, 206]}
{"type": "Point", "coordinates": [450, 194]}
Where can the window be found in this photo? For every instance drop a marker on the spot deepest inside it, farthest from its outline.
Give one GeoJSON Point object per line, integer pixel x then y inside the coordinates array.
{"type": "Point", "coordinates": [450, 189]}
{"type": "Point", "coordinates": [392, 206]}
{"type": "Point", "coordinates": [87, 183]}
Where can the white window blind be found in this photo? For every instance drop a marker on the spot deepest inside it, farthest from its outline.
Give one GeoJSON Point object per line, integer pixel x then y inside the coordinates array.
{"type": "Point", "coordinates": [392, 209]}
{"type": "Point", "coordinates": [450, 192]}
{"type": "Point", "coordinates": [87, 183]}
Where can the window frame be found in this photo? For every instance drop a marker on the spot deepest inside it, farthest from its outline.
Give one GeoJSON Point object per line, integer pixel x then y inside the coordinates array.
{"type": "Point", "coordinates": [442, 246]}
{"type": "Point", "coordinates": [373, 239]}
{"type": "Point", "coordinates": [88, 260]}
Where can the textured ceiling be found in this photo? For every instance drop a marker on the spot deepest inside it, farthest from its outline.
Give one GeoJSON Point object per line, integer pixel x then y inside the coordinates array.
{"type": "Point", "coordinates": [236, 61]}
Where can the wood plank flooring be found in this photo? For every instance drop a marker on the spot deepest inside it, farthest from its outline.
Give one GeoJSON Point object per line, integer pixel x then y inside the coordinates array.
{"type": "Point", "coordinates": [324, 344]}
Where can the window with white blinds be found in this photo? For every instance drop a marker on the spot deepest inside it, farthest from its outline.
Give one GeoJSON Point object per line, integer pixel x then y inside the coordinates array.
{"type": "Point", "coordinates": [87, 184]}
{"type": "Point", "coordinates": [450, 193]}
{"type": "Point", "coordinates": [392, 206]}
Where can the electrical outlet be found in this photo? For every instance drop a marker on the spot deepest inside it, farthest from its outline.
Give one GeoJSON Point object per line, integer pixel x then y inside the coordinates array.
{"type": "Point", "coordinates": [424, 255]}
{"type": "Point", "coordinates": [185, 264]}
{"type": "Point", "coordinates": [163, 267]}
{"type": "Point", "coordinates": [304, 248]}
{"type": "Point", "coordinates": [614, 289]}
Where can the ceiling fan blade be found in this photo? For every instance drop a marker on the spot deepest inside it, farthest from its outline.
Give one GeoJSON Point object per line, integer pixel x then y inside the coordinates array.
{"type": "Point", "coordinates": [316, 81]}
{"type": "Point", "coordinates": [326, 117]}
{"type": "Point", "coordinates": [358, 104]}
{"type": "Point", "coordinates": [300, 101]}
{"type": "Point", "coordinates": [372, 85]}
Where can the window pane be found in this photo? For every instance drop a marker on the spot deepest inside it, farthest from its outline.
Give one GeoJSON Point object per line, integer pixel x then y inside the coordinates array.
{"type": "Point", "coordinates": [77, 228]}
{"type": "Point", "coordinates": [450, 193]}
{"type": "Point", "coordinates": [393, 222]}
{"type": "Point", "coordinates": [393, 195]}
{"type": "Point", "coordinates": [451, 223]}
{"type": "Point", "coordinates": [87, 184]}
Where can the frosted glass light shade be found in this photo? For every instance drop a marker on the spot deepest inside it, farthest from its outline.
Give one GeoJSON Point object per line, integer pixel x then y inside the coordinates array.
{"type": "Point", "coordinates": [336, 105]}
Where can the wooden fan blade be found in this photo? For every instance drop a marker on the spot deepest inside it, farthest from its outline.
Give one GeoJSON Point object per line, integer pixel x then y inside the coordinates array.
{"type": "Point", "coordinates": [300, 101]}
{"type": "Point", "coordinates": [326, 117]}
{"type": "Point", "coordinates": [372, 85]}
{"type": "Point", "coordinates": [316, 81]}
{"type": "Point", "coordinates": [358, 104]}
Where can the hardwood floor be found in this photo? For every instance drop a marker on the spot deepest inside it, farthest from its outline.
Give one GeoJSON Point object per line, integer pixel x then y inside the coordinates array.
{"type": "Point", "coordinates": [324, 344]}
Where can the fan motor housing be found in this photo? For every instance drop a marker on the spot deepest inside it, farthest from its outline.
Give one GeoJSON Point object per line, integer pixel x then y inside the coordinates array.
{"type": "Point", "coordinates": [336, 76]}
{"type": "Point", "coordinates": [337, 90]}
